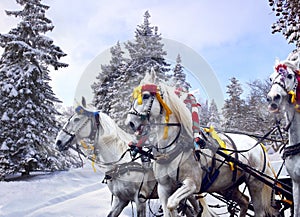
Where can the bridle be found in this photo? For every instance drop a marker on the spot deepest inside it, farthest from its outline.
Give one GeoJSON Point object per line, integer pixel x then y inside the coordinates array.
{"type": "Point", "coordinates": [154, 91]}
{"type": "Point", "coordinates": [281, 69]}
{"type": "Point", "coordinates": [143, 116]}
{"type": "Point", "coordinates": [92, 117]}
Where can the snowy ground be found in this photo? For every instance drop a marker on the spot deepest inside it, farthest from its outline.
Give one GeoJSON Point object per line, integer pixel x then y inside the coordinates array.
{"type": "Point", "coordinates": [74, 193]}
{"type": "Point", "coordinates": [78, 192]}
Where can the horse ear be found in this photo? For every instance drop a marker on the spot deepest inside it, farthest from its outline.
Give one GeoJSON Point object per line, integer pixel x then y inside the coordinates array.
{"type": "Point", "coordinates": [277, 61]}
{"type": "Point", "coordinates": [83, 102]}
{"type": "Point", "coordinates": [153, 75]}
{"type": "Point", "coordinates": [294, 58]}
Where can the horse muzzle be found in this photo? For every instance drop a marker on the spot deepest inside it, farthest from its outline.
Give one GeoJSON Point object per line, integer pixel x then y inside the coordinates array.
{"type": "Point", "coordinates": [60, 146]}
{"type": "Point", "coordinates": [274, 102]}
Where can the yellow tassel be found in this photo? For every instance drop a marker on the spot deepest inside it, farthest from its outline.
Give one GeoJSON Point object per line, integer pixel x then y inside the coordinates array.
{"type": "Point", "coordinates": [86, 147]}
{"type": "Point", "coordinates": [93, 162]}
{"type": "Point", "coordinates": [168, 113]}
{"type": "Point", "coordinates": [137, 94]}
{"type": "Point", "coordinates": [293, 98]}
{"type": "Point", "coordinates": [222, 144]}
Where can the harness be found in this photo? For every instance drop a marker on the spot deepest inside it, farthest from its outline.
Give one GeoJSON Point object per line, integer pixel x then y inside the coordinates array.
{"type": "Point", "coordinates": [154, 92]}
{"type": "Point", "coordinates": [294, 99]}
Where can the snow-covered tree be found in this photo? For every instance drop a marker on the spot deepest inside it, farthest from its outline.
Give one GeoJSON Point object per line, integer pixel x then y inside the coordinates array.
{"type": "Point", "coordinates": [257, 117]}
{"type": "Point", "coordinates": [233, 109]}
{"type": "Point", "coordinates": [288, 13]}
{"type": "Point", "coordinates": [106, 86]}
{"type": "Point", "coordinates": [179, 77]}
{"type": "Point", "coordinates": [204, 113]}
{"type": "Point", "coordinates": [117, 80]}
{"type": "Point", "coordinates": [27, 112]}
{"type": "Point", "coordinates": [146, 51]}
{"type": "Point", "coordinates": [111, 86]}
{"type": "Point", "coordinates": [214, 115]}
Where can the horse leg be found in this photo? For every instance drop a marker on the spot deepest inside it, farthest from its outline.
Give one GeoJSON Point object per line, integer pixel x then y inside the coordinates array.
{"type": "Point", "coordinates": [140, 206]}
{"type": "Point", "coordinates": [164, 191]}
{"type": "Point", "coordinates": [296, 199]}
{"type": "Point", "coordinates": [141, 209]}
{"type": "Point", "coordinates": [241, 199]}
{"type": "Point", "coordinates": [195, 206]}
{"type": "Point", "coordinates": [261, 196]}
{"type": "Point", "coordinates": [188, 188]}
{"type": "Point", "coordinates": [117, 208]}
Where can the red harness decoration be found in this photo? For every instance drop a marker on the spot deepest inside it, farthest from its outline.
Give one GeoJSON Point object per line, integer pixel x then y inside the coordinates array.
{"type": "Point", "coordinates": [298, 89]}
{"type": "Point", "coordinates": [152, 88]}
{"type": "Point", "coordinates": [192, 103]}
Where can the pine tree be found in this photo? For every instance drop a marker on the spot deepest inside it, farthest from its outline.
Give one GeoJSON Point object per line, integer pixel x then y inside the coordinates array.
{"type": "Point", "coordinates": [146, 52]}
{"type": "Point", "coordinates": [179, 76]}
{"type": "Point", "coordinates": [288, 13]}
{"type": "Point", "coordinates": [214, 116]}
{"type": "Point", "coordinates": [204, 114]}
{"type": "Point", "coordinates": [112, 86]}
{"type": "Point", "coordinates": [106, 85]}
{"type": "Point", "coordinates": [233, 109]}
{"type": "Point", "coordinates": [117, 79]}
{"type": "Point", "coordinates": [257, 116]}
{"type": "Point", "coordinates": [27, 112]}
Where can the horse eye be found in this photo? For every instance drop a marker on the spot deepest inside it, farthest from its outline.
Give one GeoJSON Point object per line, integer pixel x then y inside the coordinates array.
{"type": "Point", "coordinates": [271, 79]}
{"type": "Point", "coordinates": [146, 96]}
{"type": "Point", "coordinates": [289, 76]}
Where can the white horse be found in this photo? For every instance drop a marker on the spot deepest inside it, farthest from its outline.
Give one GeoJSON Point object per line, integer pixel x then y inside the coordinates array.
{"type": "Point", "coordinates": [284, 96]}
{"type": "Point", "coordinates": [159, 107]}
{"type": "Point", "coordinates": [127, 181]}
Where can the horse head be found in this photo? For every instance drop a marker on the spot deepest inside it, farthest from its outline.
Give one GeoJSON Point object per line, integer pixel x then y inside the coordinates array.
{"type": "Point", "coordinates": [158, 105]}
{"type": "Point", "coordinates": [285, 80]}
{"type": "Point", "coordinates": [82, 124]}
{"type": "Point", "coordinates": [145, 106]}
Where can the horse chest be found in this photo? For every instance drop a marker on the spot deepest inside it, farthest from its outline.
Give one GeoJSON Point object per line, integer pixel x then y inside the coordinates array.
{"type": "Point", "coordinates": [292, 164]}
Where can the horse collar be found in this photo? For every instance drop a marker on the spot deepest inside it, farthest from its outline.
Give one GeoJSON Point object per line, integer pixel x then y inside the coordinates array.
{"type": "Point", "coordinates": [291, 150]}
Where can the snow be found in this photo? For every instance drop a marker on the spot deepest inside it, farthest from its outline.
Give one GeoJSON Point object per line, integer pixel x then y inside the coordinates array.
{"type": "Point", "coordinates": [73, 193]}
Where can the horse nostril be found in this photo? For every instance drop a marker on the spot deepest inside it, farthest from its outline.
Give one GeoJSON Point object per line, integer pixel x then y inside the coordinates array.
{"type": "Point", "coordinates": [132, 126]}
{"type": "Point", "coordinates": [274, 106]}
{"type": "Point", "coordinates": [59, 145]}
{"type": "Point", "coordinates": [58, 142]}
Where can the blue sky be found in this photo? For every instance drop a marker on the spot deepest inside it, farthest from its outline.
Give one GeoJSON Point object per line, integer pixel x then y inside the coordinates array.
{"type": "Point", "coordinates": [233, 36]}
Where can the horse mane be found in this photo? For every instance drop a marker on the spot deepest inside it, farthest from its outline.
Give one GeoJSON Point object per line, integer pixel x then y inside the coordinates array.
{"type": "Point", "coordinates": [176, 104]}
{"type": "Point", "coordinates": [112, 136]}
{"type": "Point", "coordinates": [178, 107]}
{"type": "Point", "coordinates": [292, 61]}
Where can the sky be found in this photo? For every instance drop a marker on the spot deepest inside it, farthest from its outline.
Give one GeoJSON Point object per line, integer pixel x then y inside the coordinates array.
{"type": "Point", "coordinates": [233, 36]}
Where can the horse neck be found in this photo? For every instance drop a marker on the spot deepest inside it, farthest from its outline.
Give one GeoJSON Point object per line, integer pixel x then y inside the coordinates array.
{"type": "Point", "coordinates": [293, 117]}
{"type": "Point", "coordinates": [112, 142]}
{"type": "Point", "coordinates": [172, 131]}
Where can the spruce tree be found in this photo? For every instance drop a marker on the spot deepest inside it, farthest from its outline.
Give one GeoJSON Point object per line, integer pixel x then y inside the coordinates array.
{"type": "Point", "coordinates": [179, 77]}
{"type": "Point", "coordinates": [233, 109]}
{"type": "Point", "coordinates": [106, 85]}
{"type": "Point", "coordinates": [256, 113]}
{"type": "Point", "coordinates": [27, 112]}
{"type": "Point", "coordinates": [145, 52]}
{"type": "Point", "coordinates": [204, 114]}
{"type": "Point", "coordinates": [288, 13]}
{"type": "Point", "coordinates": [214, 116]}
{"type": "Point", "coordinates": [111, 86]}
